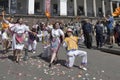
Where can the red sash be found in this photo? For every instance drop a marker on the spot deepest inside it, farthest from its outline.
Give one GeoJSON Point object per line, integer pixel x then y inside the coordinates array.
{"type": "Point", "coordinates": [20, 37]}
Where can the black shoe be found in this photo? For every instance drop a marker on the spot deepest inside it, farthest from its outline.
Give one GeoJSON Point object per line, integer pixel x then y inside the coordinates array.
{"type": "Point", "coordinates": [97, 47]}
{"type": "Point", "coordinates": [50, 65]}
{"type": "Point", "coordinates": [110, 46]}
{"type": "Point", "coordinates": [55, 62]}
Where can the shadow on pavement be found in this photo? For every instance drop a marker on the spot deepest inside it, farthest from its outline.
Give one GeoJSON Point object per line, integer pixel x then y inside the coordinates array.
{"type": "Point", "coordinates": [11, 57]}
{"type": "Point", "coordinates": [111, 51]}
{"type": "Point", "coordinates": [61, 62]}
{"type": "Point", "coordinates": [3, 57]}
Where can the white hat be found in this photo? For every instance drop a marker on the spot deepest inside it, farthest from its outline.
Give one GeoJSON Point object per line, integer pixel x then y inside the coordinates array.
{"type": "Point", "coordinates": [69, 30]}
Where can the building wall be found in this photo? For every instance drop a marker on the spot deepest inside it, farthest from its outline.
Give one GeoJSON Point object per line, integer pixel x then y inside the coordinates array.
{"type": "Point", "coordinates": [39, 7]}
{"type": "Point", "coordinates": [98, 6]}
{"type": "Point", "coordinates": [107, 6]}
{"type": "Point", "coordinates": [55, 7]}
{"type": "Point", "coordinates": [80, 4]}
{"type": "Point", "coordinates": [70, 7]}
{"type": "Point", "coordinates": [22, 6]}
{"type": "Point", "coordinates": [90, 8]}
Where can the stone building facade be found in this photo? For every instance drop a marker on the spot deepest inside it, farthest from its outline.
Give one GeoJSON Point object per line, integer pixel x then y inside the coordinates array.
{"type": "Point", "coordinates": [89, 8]}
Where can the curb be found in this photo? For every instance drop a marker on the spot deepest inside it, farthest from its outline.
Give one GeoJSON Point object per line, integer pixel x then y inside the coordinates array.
{"type": "Point", "coordinates": [113, 50]}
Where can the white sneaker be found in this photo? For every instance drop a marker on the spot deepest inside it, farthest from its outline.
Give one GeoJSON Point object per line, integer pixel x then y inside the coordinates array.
{"type": "Point", "coordinates": [67, 65]}
{"type": "Point", "coordinates": [34, 52]}
{"type": "Point", "coordinates": [83, 68]}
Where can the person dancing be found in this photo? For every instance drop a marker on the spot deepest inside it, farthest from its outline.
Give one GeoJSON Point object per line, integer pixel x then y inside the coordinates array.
{"type": "Point", "coordinates": [18, 38]}
{"type": "Point", "coordinates": [6, 33]}
{"type": "Point", "coordinates": [56, 33]}
{"type": "Point", "coordinates": [71, 45]}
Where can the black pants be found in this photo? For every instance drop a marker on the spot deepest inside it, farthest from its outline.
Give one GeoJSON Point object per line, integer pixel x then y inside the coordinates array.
{"type": "Point", "coordinates": [99, 40]}
{"type": "Point", "coordinates": [88, 40]}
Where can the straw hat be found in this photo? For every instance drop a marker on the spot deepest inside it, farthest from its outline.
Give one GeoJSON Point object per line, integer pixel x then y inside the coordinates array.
{"type": "Point", "coordinates": [69, 30]}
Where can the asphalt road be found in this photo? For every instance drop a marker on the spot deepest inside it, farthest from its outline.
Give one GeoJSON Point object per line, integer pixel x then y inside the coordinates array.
{"type": "Point", "coordinates": [101, 66]}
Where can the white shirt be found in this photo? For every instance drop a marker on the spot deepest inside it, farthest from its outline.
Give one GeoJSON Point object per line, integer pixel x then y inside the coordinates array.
{"type": "Point", "coordinates": [35, 26]}
{"type": "Point", "coordinates": [57, 32]}
{"type": "Point", "coordinates": [20, 28]}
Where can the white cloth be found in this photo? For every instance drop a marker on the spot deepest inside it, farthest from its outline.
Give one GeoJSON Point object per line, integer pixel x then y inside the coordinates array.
{"type": "Point", "coordinates": [40, 36]}
{"type": "Point", "coordinates": [32, 45]}
{"type": "Point", "coordinates": [6, 32]}
{"type": "Point", "coordinates": [0, 32]}
{"type": "Point", "coordinates": [35, 26]}
{"type": "Point", "coordinates": [81, 39]}
{"type": "Point", "coordinates": [18, 29]}
{"type": "Point", "coordinates": [72, 54]}
{"type": "Point", "coordinates": [4, 35]}
{"type": "Point", "coordinates": [57, 32]}
{"type": "Point", "coordinates": [50, 27]}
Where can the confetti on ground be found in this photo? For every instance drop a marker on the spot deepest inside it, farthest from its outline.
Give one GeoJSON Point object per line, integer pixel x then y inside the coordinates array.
{"type": "Point", "coordinates": [102, 71]}
{"type": "Point", "coordinates": [87, 74]}
{"type": "Point", "coordinates": [79, 76]}
{"type": "Point", "coordinates": [72, 78]}
{"type": "Point", "coordinates": [4, 77]}
{"type": "Point", "coordinates": [20, 74]}
{"type": "Point", "coordinates": [42, 66]}
{"type": "Point", "coordinates": [94, 78]}
{"type": "Point", "coordinates": [35, 78]}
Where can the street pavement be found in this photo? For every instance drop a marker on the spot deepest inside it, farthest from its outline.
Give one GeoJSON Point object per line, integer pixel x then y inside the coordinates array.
{"type": "Point", "coordinates": [101, 66]}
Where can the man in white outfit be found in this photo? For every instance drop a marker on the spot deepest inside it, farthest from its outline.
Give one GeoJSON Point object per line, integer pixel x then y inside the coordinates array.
{"type": "Point", "coordinates": [71, 42]}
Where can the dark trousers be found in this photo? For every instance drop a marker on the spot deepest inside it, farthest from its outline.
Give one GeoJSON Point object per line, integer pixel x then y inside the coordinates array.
{"type": "Point", "coordinates": [118, 39]}
{"type": "Point", "coordinates": [105, 38]}
{"type": "Point", "coordinates": [76, 32]}
{"type": "Point", "coordinates": [88, 40]}
{"type": "Point", "coordinates": [99, 40]}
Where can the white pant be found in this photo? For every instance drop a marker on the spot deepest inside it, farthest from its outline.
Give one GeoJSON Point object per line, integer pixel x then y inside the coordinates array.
{"type": "Point", "coordinates": [32, 45]}
{"type": "Point", "coordinates": [73, 53]}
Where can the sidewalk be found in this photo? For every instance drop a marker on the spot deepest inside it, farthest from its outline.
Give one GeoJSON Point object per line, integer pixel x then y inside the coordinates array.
{"type": "Point", "coordinates": [114, 50]}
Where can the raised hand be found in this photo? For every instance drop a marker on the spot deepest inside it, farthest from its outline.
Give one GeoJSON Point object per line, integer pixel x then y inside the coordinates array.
{"type": "Point", "coordinates": [3, 13]}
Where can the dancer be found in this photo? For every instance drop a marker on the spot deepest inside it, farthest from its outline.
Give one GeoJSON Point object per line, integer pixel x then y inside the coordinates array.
{"type": "Point", "coordinates": [32, 41]}
{"type": "Point", "coordinates": [55, 41]}
{"type": "Point", "coordinates": [72, 50]}
{"type": "Point", "coordinates": [18, 38]}
{"type": "Point", "coordinates": [6, 33]}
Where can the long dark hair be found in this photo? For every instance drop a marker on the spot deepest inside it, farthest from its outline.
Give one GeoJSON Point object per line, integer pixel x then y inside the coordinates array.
{"type": "Point", "coordinates": [54, 25]}
{"type": "Point", "coordinates": [18, 20]}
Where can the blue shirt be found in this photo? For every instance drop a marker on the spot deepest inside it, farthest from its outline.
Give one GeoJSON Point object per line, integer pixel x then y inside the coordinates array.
{"type": "Point", "coordinates": [110, 22]}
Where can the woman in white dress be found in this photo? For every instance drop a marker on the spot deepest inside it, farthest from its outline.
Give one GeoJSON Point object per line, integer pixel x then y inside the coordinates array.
{"type": "Point", "coordinates": [56, 33]}
{"type": "Point", "coordinates": [18, 40]}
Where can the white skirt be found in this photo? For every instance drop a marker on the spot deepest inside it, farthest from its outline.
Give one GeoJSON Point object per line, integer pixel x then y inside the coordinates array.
{"type": "Point", "coordinates": [4, 36]}
{"type": "Point", "coordinates": [16, 45]}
